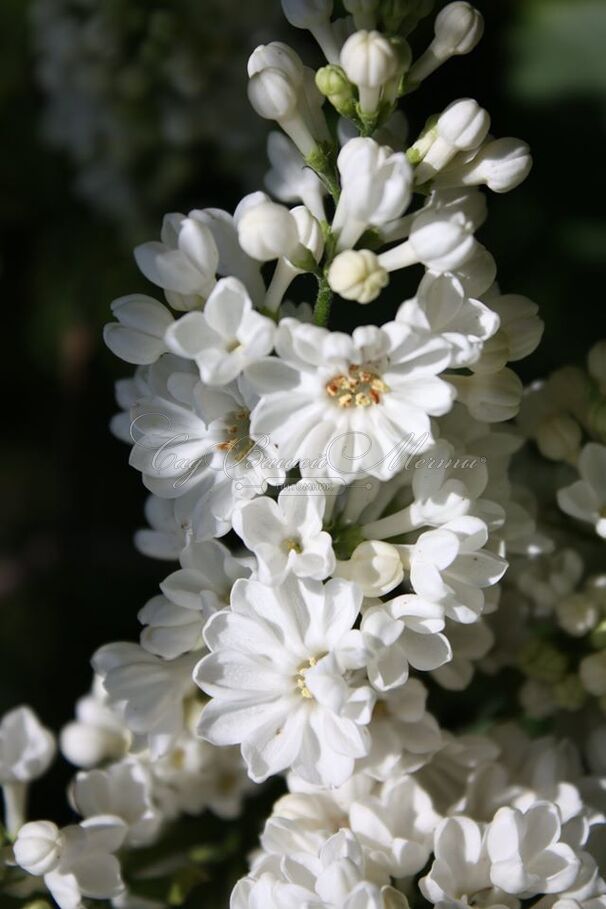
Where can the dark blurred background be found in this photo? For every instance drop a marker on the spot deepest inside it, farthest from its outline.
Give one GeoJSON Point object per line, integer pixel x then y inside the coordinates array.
{"type": "Point", "coordinates": [115, 111]}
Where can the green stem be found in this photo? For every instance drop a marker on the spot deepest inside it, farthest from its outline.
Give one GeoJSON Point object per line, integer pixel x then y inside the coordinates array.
{"type": "Point", "coordinates": [322, 161]}
{"type": "Point", "coordinates": [323, 302]}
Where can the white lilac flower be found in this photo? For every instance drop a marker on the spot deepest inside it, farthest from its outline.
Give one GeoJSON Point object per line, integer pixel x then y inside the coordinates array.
{"type": "Point", "coordinates": [341, 405]}
{"type": "Point", "coordinates": [233, 261]}
{"type": "Point", "coordinates": [174, 620]}
{"type": "Point", "coordinates": [75, 862]}
{"type": "Point", "coordinates": [97, 734]}
{"type": "Point", "coordinates": [184, 263]}
{"type": "Point", "coordinates": [445, 485]}
{"type": "Point", "coordinates": [549, 578]}
{"type": "Point", "coordinates": [26, 752]}
{"type": "Point", "coordinates": [149, 692]}
{"type": "Point", "coordinates": [450, 566]}
{"type": "Point", "coordinates": [138, 335]}
{"type": "Point", "coordinates": [405, 631]}
{"type": "Point", "coordinates": [200, 448]}
{"type": "Point", "coordinates": [283, 681]}
{"type": "Point", "coordinates": [519, 324]}
{"type": "Point", "coordinates": [226, 337]}
{"type": "Point", "coordinates": [441, 305]}
{"type": "Point", "coordinates": [585, 499]}
{"type": "Point", "coordinates": [469, 643]}
{"type": "Point", "coordinates": [527, 854]}
{"type": "Point", "coordinates": [26, 747]}
{"type": "Point", "coordinates": [404, 735]}
{"type": "Point", "coordinates": [396, 826]}
{"type": "Point", "coordinates": [170, 528]}
{"type": "Point", "coordinates": [195, 776]}
{"type": "Point", "coordinates": [286, 535]}
{"type": "Point", "coordinates": [124, 790]}
{"type": "Point", "coordinates": [334, 876]}
{"type": "Point", "coordinates": [376, 189]}
{"type": "Point", "coordinates": [460, 873]}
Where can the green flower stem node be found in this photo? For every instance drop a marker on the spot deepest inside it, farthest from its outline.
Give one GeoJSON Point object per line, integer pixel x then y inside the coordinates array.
{"type": "Point", "coordinates": [322, 160]}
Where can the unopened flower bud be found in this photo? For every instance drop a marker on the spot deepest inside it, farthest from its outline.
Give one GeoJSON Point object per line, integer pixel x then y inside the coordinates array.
{"type": "Point", "coordinates": [309, 231]}
{"type": "Point", "coordinates": [304, 258]}
{"type": "Point", "coordinates": [458, 28]}
{"type": "Point", "coordinates": [577, 614]}
{"type": "Point", "coordinates": [276, 56]}
{"type": "Point", "coordinates": [272, 94]}
{"type": "Point", "coordinates": [38, 847]}
{"type": "Point", "coordinates": [592, 670]}
{"type": "Point", "coordinates": [462, 126]}
{"type": "Point", "coordinates": [357, 275]}
{"type": "Point", "coordinates": [334, 84]}
{"type": "Point", "coordinates": [369, 61]}
{"type": "Point", "coordinates": [596, 363]}
{"type": "Point", "coordinates": [26, 747]}
{"type": "Point", "coordinates": [88, 745]}
{"type": "Point", "coordinates": [268, 231]}
{"type": "Point", "coordinates": [501, 165]}
{"type": "Point", "coordinates": [374, 565]}
{"type": "Point", "coordinates": [559, 438]}
{"type": "Point", "coordinates": [441, 243]}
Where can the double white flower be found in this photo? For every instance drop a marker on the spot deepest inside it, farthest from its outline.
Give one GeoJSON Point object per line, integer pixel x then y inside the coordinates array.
{"type": "Point", "coordinates": [282, 674]}
{"type": "Point", "coordinates": [343, 405]}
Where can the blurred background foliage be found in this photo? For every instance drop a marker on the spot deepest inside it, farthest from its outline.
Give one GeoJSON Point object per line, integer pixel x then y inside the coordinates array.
{"type": "Point", "coordinates": [110, 113]}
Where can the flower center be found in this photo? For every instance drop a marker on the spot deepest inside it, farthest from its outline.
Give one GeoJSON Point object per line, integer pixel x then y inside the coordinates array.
{"type": "Point", "coordinates": [361, 387]}
{"type": "Point", "coordinates": [292, 544]}
{"type": "Point", "coordinates": [237, 439]}
{"type": "Point", "coordinates": [303, 689]}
